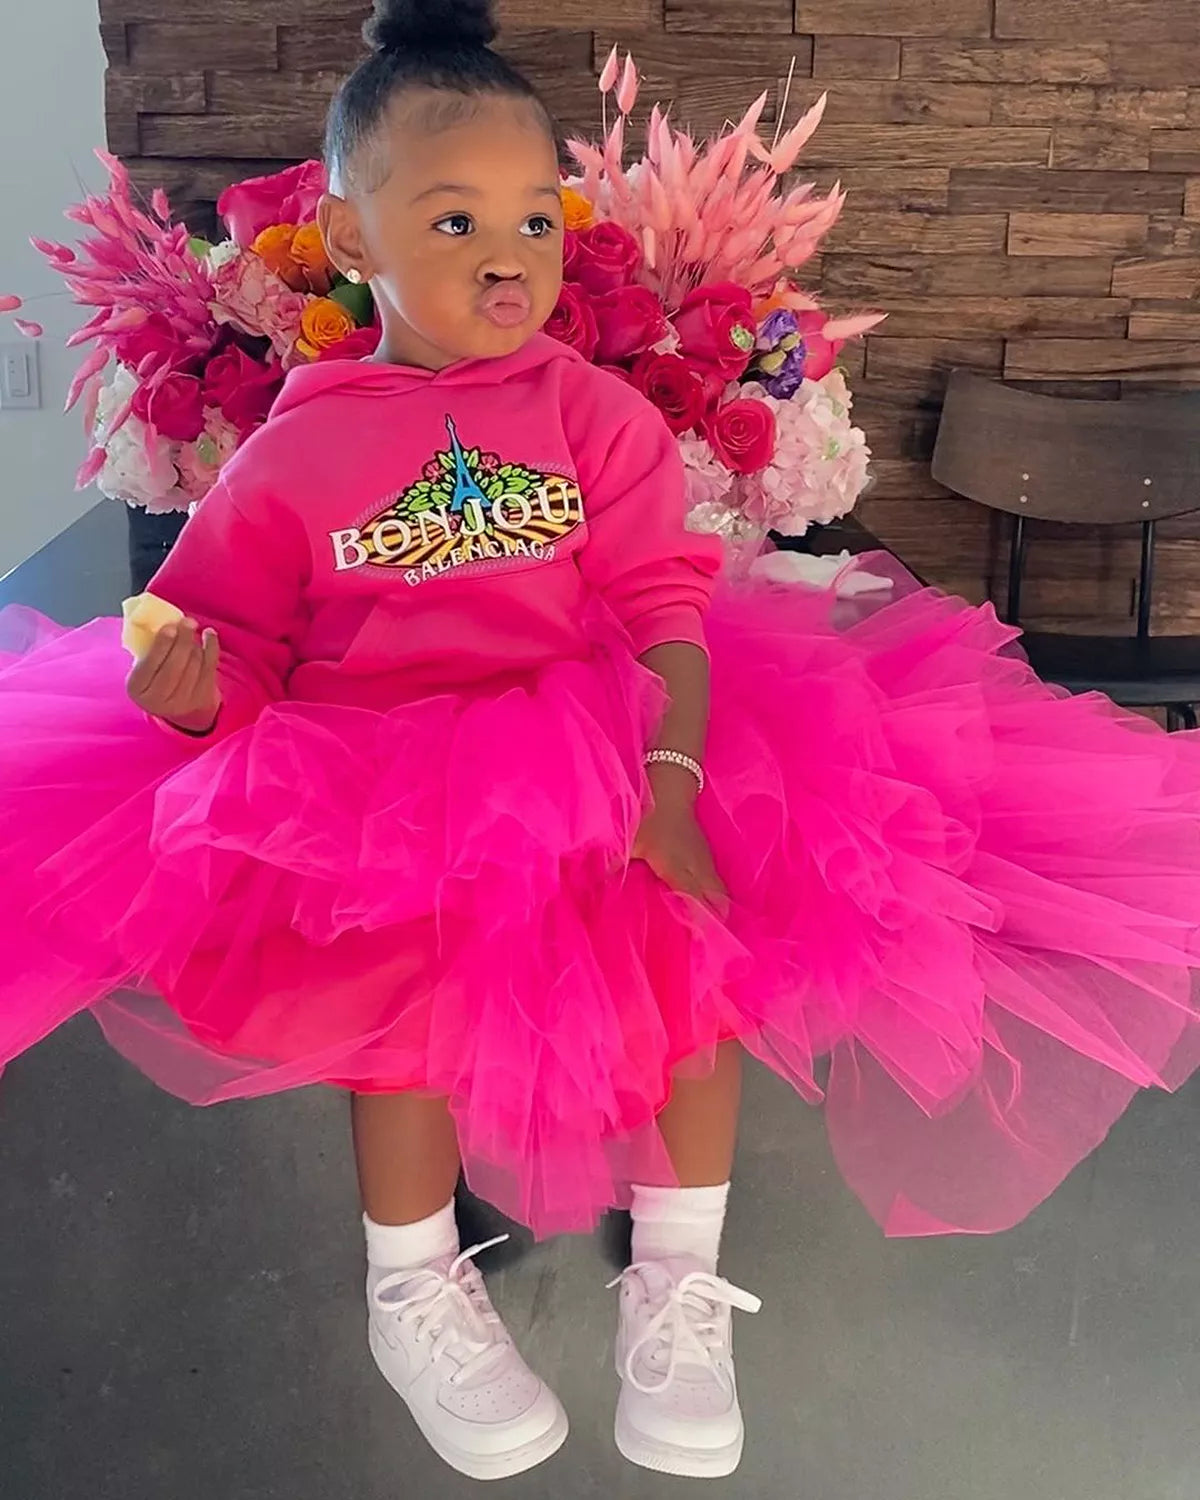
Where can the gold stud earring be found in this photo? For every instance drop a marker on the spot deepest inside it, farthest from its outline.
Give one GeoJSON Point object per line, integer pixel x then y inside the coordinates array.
{"type": "Point", "coordinates": [354, 276]}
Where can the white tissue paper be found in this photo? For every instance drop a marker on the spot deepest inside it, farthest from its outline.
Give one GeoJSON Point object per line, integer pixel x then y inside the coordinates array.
{"type": "Point", "coordinates": [838, 572]}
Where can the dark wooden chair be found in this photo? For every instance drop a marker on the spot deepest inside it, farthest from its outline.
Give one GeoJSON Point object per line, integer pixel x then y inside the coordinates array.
{"type": "Point", "coordinates": [1086, 463]}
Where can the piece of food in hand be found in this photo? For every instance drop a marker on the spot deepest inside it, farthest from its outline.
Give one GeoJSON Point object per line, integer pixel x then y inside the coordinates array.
{"type": "Point", "coordinates": [144, 616]}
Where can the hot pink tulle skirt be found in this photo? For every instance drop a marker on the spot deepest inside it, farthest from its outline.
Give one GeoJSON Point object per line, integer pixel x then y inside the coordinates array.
{"type": "Point", "coordinates": [978, 898]}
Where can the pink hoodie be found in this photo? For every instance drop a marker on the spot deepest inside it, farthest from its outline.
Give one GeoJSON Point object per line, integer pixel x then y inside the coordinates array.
{"type": "Point", "coordinates": [393, 532]}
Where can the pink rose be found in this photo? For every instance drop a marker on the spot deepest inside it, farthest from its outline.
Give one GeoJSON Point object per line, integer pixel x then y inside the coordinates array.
{"type": "Point", "coordinates": [174, 407]}
{"type": "Point", "coordinates": [606, 257]}
{"type": "Point", "coordinates": [629, 320]}
{"type": "Point", "coordinates": [360, 344]}
{"type": "Point", "coordinates": [573, 322]}
{"type": "Point", "coordinates": [674, 386]}
{"type": "Point", "coordinates": [715, 325]}
{"type": "Point", "coordinates": [820, 355]}
{"type": "Point", "coordinates": [242, 388]}
{"type": "Point", "coordinates": [288, 197]}
{"type": "Point", "coordinates": [742, 435]}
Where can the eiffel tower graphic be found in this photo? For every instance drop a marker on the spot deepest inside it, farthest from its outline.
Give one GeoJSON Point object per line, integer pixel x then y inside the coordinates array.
{"type": "Point", "coordinates": [466, 486]}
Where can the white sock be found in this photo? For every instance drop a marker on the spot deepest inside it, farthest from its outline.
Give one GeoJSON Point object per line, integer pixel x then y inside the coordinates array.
{"type": "Point", "coordinates": [671, 1222]}
{"type": "Point", "coordinates": [403, 1247]}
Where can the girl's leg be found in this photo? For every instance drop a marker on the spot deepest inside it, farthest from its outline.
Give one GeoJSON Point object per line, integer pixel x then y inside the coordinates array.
{"type": "Point", "coordinates": [699, 1125]}
{"type": "Point", "coordinates": [673, 1318]}
{"type": "Point", "coordinates": [699, 1128]}
{"type": "Point", "coordinates": [406, 1146]}
{"type": "Point", "coordinates": [406, 1149]}
{"type": "Point", "coordinates": [431, 1323]}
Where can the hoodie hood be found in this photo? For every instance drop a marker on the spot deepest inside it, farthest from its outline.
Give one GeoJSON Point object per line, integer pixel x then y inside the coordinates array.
{"type": "Point", "coordinates": [365, 377]}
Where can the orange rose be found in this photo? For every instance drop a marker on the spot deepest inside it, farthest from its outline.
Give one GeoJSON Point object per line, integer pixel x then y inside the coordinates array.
{"type": "Point", "coordinates": [308, 251]}
{"type": "Point", "coordinates": [274, 248]}
{"type": "Point", "coordinates": [577, 211]}
{"type": "Point", "coordinates": [323, 324]}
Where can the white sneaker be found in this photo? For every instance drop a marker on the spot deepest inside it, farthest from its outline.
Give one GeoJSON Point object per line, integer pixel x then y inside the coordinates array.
{"type": "Point", "coordinates": [678, 1411]}
{"type": "Point", "coordinates": [443, 1349]}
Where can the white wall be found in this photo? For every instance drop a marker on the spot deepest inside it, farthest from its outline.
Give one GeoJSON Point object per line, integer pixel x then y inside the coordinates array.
{"type": "Point", "coordinates": [51, 119]}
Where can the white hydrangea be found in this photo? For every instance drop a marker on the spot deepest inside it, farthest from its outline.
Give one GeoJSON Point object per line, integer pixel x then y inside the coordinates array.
{"type": "Point", "coordinates": [819, 468]}
{"type": "Point", "coordinates": [221, 255]}
{"type": "Point", "coordinates": [137, 468]}
{"type": "Point", "coordinates": [708, 480]}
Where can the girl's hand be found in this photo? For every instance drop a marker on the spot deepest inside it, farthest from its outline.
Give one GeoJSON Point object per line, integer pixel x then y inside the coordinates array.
{"type": "Point", "coordinates": [177, 678]}
{"type": "Point", "coordinates": [673, 844]}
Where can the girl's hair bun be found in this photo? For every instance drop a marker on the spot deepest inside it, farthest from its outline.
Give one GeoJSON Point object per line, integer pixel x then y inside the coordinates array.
{"type": "Point", "coordinates": [416, 26]}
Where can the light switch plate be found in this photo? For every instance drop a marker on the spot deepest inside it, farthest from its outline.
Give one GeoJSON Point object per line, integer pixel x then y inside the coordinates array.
{"type": "Point", "coordinates": [20, 377]}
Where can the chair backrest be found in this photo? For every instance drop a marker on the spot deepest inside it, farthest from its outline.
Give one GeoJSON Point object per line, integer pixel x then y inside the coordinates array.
{"type": "Point", "coordinates": [1086, 463]}
{"type": "Point", "coordinates": [1094, 463]}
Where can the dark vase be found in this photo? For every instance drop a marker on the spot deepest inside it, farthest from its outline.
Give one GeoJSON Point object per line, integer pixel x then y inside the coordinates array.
{"type": "Point", "coordinates": [809, 542]}
{"type": "Point", "coordinates": [150, 539]}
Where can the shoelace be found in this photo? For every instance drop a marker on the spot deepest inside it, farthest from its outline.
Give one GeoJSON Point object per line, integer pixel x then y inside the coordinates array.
{"type": "Point", "coordinates": [690, 1324]}
{"type": "Point", "coordinates": [453, 1306]}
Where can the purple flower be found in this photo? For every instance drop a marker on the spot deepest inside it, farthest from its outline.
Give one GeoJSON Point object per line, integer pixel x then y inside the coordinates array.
{"type": "Point", "coordinates": [784, 385]}
{"type": "Point", "coordinates": [775, 328]}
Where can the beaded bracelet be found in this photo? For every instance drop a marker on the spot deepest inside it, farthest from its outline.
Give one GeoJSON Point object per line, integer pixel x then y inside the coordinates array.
{"type": "Point", "coordinates": [677, 758]}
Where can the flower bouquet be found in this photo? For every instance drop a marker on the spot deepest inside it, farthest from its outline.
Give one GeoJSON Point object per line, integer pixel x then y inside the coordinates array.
{"type": "Point", "coordinates": [190, 340]}
{"type": "Point", "coordinates": [680, 277]}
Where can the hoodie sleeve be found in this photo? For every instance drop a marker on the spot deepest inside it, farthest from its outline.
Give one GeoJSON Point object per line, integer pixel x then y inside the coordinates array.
{"type": "Point", "coordinates": [656, 576]}
{"type": "Point", "coordinates": [241, 571]}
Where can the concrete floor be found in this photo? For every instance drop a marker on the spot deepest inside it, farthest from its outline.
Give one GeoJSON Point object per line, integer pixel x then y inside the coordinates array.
{"type": "Point", "coordinates": [181, 1313]}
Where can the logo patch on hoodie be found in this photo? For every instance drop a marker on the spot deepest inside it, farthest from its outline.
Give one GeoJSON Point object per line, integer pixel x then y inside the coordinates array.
{"type": "Point", "coordinates": [469, 506]}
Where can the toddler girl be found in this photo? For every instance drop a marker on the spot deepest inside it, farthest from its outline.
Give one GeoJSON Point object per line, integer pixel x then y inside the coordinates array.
{"type": "Point", "coordinates": [414, 800]}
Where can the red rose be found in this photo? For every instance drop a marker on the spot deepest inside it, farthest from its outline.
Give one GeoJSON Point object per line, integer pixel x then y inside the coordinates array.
{"type": "Point", "coordinates": [174, 408]}
{"type": "Point", "coordinates": [244, 389]}
{"type": "Point", "coordinates": [289, 197]}
{"type": "Point", "coordinates": [606, 257]}
{"type": "Point", "coordinates": [820, 355]}
{"type": "Point", "coordinates": [155, 335]}
{"type": "Point", "coordinates": [619, 371]}
{"type": "Point", "coordinates": [573, 322]}
{"type": "Point", "coordinates": [360, 344]}
{"type": "Point", "coordinates": [742, 435]}
{"type": "Point", "coordinates": [629, 320]}
{"type": "Point", "coordinates": [225, 372]}
{"type": "Point", "coordinates": [714, 383]}
{"type": "Point", "coordinates": [250, 405]}
{"type": "Point", "coordinates": [722, 294]}
{"type": "Point", "coordinates": [716, 325]}
{"type": "Point", "coordinates": [570, 254]}
{"type": "Point", "coordinates": [674, 386]}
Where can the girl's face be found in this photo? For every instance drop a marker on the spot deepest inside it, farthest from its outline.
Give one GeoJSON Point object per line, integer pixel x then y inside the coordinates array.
{"type": "Point", "coordinates": [462, 243]}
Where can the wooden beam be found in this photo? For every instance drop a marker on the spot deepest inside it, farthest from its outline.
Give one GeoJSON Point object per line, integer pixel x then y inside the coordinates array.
{"type": "Point", "coordinates": [1125, 22]}
{"type": "Point", "coordinates": [968, 18]}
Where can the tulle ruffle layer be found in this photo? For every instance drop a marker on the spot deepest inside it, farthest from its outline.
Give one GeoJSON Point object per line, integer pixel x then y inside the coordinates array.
{"type": "Point", "coordinates": [980, 897]}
